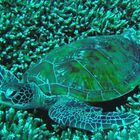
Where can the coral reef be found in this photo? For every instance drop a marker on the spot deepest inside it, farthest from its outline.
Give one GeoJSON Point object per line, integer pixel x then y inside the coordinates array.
{"type": "Point", "coordinates": [29, 29]}
{"type": "Point", "coordinates": [17, 125]}
{"type": "Point", "coordinates": [22, 125]}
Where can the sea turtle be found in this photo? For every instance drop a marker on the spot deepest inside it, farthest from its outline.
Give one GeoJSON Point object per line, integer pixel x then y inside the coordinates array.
{"type": "Point", "coordinates": [95, 69]}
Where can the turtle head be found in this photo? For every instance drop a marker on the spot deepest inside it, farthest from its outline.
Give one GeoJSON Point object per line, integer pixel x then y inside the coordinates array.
{"type": "Point", "coordinates": [17, 94]}
{"type": "Point", "coordinates": [22, 96]}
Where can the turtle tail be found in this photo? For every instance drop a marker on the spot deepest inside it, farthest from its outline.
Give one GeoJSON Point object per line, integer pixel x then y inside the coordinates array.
{"type": "Point", "coordinates": [80, 115]}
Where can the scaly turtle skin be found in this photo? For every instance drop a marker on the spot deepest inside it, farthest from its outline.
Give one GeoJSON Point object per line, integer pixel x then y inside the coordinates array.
{"type": "Point", "coordinates": [94, 69]}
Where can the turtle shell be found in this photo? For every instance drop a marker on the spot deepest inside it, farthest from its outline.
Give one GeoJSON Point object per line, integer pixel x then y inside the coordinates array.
{"type": "Point", "coordinates": [94, 69]}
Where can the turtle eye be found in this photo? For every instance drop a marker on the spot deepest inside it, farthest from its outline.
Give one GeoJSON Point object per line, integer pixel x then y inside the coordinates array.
{"type": "Point", "coordinates": [12, 94]}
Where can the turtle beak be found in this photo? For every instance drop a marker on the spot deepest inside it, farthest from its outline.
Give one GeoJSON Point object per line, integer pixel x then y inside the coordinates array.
{"type": "Point", "coordinates": [4, 100]}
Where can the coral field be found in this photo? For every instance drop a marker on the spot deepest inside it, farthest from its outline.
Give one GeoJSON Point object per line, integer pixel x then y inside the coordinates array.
{"type": "Point", "coordinates": [29, 29]}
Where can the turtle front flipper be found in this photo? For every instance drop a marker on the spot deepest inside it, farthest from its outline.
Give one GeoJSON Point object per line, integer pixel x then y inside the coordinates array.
{"type": "Point", "coordinates": [80, 115]}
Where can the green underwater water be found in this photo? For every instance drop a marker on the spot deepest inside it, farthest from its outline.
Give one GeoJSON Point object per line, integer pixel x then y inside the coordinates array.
{"type": "Point", "coordinates": [29, 29]}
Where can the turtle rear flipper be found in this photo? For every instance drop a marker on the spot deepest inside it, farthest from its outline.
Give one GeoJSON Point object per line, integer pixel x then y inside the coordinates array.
{"type": "Point", "coordinates": [7, 79]}
{"type": "Point", "coordinates": [80, 115]}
